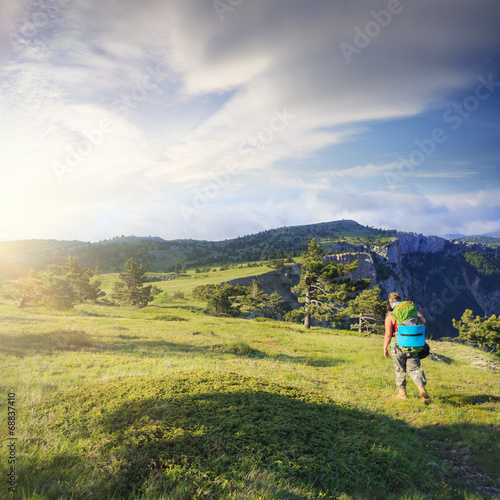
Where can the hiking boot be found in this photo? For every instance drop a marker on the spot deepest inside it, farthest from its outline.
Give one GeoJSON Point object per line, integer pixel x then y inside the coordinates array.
{"type": "Point", "coordinates": [401, 394]}
{"type": "Point", "coordinates": [425, 397]}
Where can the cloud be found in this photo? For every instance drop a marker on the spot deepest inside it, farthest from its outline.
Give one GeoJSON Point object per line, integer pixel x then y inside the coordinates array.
{"type": "Point", "coordinates": [258, 95]}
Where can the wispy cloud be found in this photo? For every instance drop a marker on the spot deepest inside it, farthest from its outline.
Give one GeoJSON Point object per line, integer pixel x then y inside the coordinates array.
{"type": "Point", "coordinates": [184, 94]}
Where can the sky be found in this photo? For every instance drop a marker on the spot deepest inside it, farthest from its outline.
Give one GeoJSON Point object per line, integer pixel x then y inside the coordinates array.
{"type": "Point", "coordinates": [212, 119]}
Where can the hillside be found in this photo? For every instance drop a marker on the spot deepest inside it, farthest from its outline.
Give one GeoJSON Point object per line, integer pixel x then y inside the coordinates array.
{"type": "Point", "coordinates": [164, 256]}
{"type": "Point", "coordinates": [490, 241]}
{"type": "Point", "coordinates": [165, 402]}
{"type": "Point", "coordinates": [442, 277]}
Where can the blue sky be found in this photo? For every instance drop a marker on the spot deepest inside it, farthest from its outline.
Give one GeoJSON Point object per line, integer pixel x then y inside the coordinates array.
{"type": "Point", "coordinates": [215, 119]}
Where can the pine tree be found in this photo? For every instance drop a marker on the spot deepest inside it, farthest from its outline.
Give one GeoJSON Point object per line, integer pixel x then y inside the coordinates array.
{"type": "Point", "coordinates": [369, 307]}
{"type": "Point", "coordinates": [270, 305]}
{"type": "Point", "coordinates": [131, 289]}
{"type": "Point", "coordinates": [221, 299]}
{"type": "Point", "coordinates": [60, 286]}
{"type": "Point", "coordinates": [80, 278]}
{"type": "Point", "coordinates": [324, 289]}
{"type": "Point", "coordinates": [483, 330]}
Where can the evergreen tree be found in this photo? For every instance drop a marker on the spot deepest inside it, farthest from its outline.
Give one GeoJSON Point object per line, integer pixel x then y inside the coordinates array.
{"type": "Point", "coordinates": [220, 303]}
{"type": "Point", "coordinates": [79, 278]}
{"type": "Point", "coordinates": [221, 299]}
{"type": "Point", "coordinates": [483, 330]}
{"type": "Point", "coordinates": [324, 289]}
{"type": "Point", "coordinates": [131, 289]}
{"type": "Point", "coordinates": [270, 305]}
{"type": "Point", "coordinates": [60, 286]}
{"type": "Point", "coordinates": [368, 307]}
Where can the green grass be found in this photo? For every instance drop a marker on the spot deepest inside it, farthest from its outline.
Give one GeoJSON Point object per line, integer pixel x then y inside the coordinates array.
{"type": "Point", "coordinates": [186, 283]}
{"type": "Point", "coordinates": [166, 402]}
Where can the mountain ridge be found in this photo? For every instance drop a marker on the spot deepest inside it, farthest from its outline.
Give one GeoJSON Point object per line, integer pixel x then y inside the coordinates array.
{"type": "Point", "coordinates": [441, 276]}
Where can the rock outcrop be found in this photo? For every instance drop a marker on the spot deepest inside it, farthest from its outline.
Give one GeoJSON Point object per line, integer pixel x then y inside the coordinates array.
{"type": "Point", "coordinates": [433, 273]}
{"type": "Point", "coordinates": [428, 270]}
{"type": "Point", "coordinates": [365, 268]}
{"type": "Point", "coordinates": [275, 282]}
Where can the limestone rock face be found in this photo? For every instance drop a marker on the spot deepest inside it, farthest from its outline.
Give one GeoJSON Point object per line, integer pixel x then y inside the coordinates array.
{"type": "Point", "coordinates": [275, 282]}
{"type": "Point", "coordinates": [428, 270]}
{"type": "Point", "coordinates": [365, 269]}
{"type": "Point", "coordinates": [433, 273]}
{"type": "Point", "coordinates": [407, 244]}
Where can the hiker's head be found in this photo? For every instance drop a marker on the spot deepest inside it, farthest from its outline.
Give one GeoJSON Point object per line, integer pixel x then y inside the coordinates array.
{"type": "Point", "coordinates": [394, 298]}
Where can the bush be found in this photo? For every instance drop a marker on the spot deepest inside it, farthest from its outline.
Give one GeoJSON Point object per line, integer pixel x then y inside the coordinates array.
{"type": "Point", "coordinates": [483, 330]}
{"type": "Point", "coordinates": [60, 286]}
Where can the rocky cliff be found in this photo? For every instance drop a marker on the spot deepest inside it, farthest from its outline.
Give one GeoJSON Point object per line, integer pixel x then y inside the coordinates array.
{"type": "Point", "coordinates": [434, 273]}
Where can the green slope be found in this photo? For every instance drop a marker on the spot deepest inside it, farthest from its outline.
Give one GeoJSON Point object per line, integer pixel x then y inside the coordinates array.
{"type": "Point", "coordinates": [170, 403]}
{"type": "Point", "coordinates": [110, 256]}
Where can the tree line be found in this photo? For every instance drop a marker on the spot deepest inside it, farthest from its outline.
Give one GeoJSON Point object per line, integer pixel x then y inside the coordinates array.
{"type": "Point", "coordinates": [64, 286]}
{"type": "Point", "coordinates": [326, 291]}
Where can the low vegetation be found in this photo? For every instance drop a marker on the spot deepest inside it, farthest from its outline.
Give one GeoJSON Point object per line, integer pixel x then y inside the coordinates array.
{"type": "Point", "coordinates": [481, 329]}
{"type": "Point", "coordinates": [487, 264]}
{"type": "Point", "coordinates": [161, 401]}
{"type": "Point", "coordinates": [191, 433]}
{"type": "Point", "coordinates": [166, 402]}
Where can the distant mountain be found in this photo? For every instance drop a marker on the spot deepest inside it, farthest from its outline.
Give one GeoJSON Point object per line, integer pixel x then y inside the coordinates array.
{"type": "Point", "coordinates": [485, 239]}
{"type": "Point", "coordinates": [130, 239]}
{"type": "Point", "coordinates": [493, 235]}
{"type": "Point", "coordinates": [162, 255]}
{"type": "Point", "coordinates": [453, 236]}
{"type": "Point", "coordinates": [482, 240]}
{"type": "Point", "coordinates": [443, 277]}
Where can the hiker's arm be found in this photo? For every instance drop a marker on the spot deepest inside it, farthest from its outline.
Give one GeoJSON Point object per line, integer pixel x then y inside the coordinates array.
{"type": "Point", "coordinates": [422, 319]}
{"type": "Point", "coordinates": [388, 335]}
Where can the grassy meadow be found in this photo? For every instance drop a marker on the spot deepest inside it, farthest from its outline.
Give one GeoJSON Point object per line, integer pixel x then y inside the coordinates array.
{"type": "Point", "coordinates": [167, 402]}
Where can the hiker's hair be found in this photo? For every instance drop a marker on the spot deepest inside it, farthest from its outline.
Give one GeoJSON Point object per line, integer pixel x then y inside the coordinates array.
{"type": "Point", "coordinates": [389, 308]}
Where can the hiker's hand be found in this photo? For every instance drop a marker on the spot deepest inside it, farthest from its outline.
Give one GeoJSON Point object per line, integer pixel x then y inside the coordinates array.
{"type": "Point", "coordinates": [386, 352]}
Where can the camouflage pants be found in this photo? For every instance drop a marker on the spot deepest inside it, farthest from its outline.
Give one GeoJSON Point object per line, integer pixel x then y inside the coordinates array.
{"type": "Point", "coordinates": [404, 362]}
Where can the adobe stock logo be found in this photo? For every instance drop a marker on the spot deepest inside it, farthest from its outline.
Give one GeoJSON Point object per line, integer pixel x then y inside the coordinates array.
{"type": "Point", "coordinates": [448, 295]}
{"type": "Point", "coordinates": [85, 147]}
{"type": "Point", "coordinates": [454, 117]}
{"type": "Point", "coordinates": [38, 20]}
{"type": "Point", "coordinates": [373, 28]}
{"type": "Point", "coordinates": [122, 106]}
{"type": "Point", "coordinates": [250, 147]}
{"type": "Point", "coordinates": [224, 6]}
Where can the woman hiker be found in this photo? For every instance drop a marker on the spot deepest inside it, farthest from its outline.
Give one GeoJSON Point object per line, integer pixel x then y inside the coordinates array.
{"type": "Point", "coordinates": [404, 359]}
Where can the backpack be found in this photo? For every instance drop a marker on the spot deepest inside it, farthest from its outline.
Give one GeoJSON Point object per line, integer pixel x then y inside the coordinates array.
{"type": "Point", "coordinates": [405, 313]}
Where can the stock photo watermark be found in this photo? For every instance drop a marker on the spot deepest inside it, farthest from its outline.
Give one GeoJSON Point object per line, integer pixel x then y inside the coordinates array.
{"type": "Point", "coordinates": [223, 7]}
{"type": "Point", "coordinates": [94, 137]}
{"type": "Point", "coordinates": [36, 21]}
{"type": "Point", "coordinates": [11, 442]}
{"type": "Point", "coordinates": [250, 148]}
{"type": "Point", "coordinates": [454, 117]}
{"type": "Point", "coordinates": [139, 94]}
{"type": "Point", "coordinates": [448, 295]}
{"type": "Point", "coordinates": [363, 36]}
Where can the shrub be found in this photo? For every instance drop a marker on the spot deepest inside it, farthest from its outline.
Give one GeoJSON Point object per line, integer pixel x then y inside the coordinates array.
{"type": "Point", "coordinates": [483, 330]}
